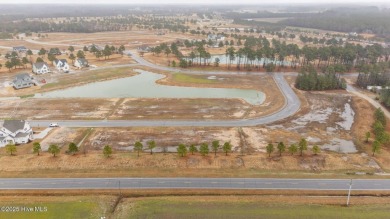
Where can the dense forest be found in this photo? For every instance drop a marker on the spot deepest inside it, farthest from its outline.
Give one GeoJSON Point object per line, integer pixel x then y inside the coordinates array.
{"type": "Point", "coordinates": [369, 20]}
{"type": "Point", "coordinates": [308, 79]}
{"type": "Point", "coordinates": [374, 75]}
{"type": "Point", "coordinates": [82, 25]}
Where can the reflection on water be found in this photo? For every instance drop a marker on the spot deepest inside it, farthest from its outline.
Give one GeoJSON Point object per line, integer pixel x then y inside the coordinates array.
{"type": "Point", "coordinates": [144, 86]}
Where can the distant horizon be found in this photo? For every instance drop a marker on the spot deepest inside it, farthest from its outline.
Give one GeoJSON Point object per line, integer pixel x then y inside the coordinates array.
{"type": "Point", "coordinates": [199, 2]}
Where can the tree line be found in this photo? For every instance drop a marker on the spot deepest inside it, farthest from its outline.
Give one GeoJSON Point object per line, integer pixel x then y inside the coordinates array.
{"type": "Point", "coordinates": [382, 137]}
{"type": "Point", "coordinates": [256, 53]}
{"type": "Point", "coordinates": [371, 19]}
{"type": "Point", "coordinates": [308, 79]}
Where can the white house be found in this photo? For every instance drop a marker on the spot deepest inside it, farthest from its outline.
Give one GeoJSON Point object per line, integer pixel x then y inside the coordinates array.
{"type": "Point", "coordinates": [61, 65]}
{"type": "Point", "coordinates": [15, 132]}
{"type": "Point", "coordinates": [19, 49]}
{"type": "Point", "coordinates": [81, 63]}
{"type": "Point", "coordinates": [216, 38]}
{"type": "Point", "coordinates": [40, 68]}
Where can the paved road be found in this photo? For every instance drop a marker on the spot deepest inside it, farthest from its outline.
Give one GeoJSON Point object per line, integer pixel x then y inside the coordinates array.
{"type": "Point", "coordinates": [193, 183]}
{"type": "Point", "coordinates": [292, 105]}
{"type": "Point", "coordinates": [144, 62]}
{"type": "Point", "coordinates": [373, 102]}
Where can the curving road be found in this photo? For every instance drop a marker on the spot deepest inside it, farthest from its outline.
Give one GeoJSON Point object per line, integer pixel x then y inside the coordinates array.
{"type": "Point", "coordinates": [193, 183]}
{"type": "Point", "coordinates": [292, 105]}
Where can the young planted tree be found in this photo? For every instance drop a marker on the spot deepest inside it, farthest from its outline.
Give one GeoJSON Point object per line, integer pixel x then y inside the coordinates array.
{"type": "Point", "coordinates": [215, 145]}
{"type": "Point", "coordinates": [193, 149]}
{"type": "Point", "coordinates": [302, 146]}
{"type": "Point", "coordinates": [39, 59]}
{"type": "Point", "coordinates": [51, 57]}
{"type": "Point", "coordinates": [72, 57]}
{"type": "Point", "coordinates": [36, 148]}
{"type": "Point", "coordinates": [107, 151]}
{"type": "Point", "coordinates": [182, 150]}
{"type": "Point", "coordinates": [227, 148]}
{"type": "Point", "coordinates": [29, 53]}
{"type": "Point", "coordinates": [151, 146]}
{"type": "Point", "coordinates": [71, 49]}
{"type": "Point", "coordinates": [378, 128]}
{"type": "Point", "coordinates": [11, 149]}
{"type": "Point", "coordinates": [121, 49]}
{"type": "Point", "coordinates": [72, 148]}
{"type": "Point", "coordinates": [270, 148]}
{"type": "Point", "coordinates": [98, 54]}
{"type": "Point", "coordinates": [25, 61]}
{"type": "Point", "coordinates": [53, 149]}
{"type": "Point", "coordinates": [281, 148]}
{"type": "Point", "coordinates": [138, 146]}
{"type": "Point", "coordinates": [380, 116]}
{"type": "Point", "coordinates": [376, 146]}
{"type": "Point", "coordinates": [80, 54]}
{"type": "Point", "coordinates": [293, 149]}
{"type": "Point", "coordinates": [42, 52]}
{"type": "Point", "coordinates": [107, 52]}
{"type": "Point", "coordinates": [204, 149]}
{"type": "Point", "coordinates": [9, 65]}
{"type": "Point", "coordinates": [368, 135]}
{"type": "Point", "coordinates": [316, 149]}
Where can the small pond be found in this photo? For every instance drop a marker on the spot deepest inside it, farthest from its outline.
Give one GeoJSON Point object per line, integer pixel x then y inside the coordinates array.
{"type": "Point", "coordinates": [144, 85]}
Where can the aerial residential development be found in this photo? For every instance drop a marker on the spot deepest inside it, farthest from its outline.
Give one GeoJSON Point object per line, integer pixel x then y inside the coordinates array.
{"type": "Point", "coordinates": [214, 109]}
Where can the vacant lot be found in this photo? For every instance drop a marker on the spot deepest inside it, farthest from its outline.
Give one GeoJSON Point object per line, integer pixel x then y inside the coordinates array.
{"type": "Point", "coordinates": [66, 207]}
{"type": "Point", "coordinates": [250, 207]}
{"type": "Point", "coordinates": [131, 108]}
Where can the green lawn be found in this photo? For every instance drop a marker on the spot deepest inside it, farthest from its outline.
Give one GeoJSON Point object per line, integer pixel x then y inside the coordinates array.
{"type": "Point", "coordinates": [198, 209]}
{"type": "Point", "coordinates": [180, 77]}
{"type": "Point", "coordinates": [75, 209]}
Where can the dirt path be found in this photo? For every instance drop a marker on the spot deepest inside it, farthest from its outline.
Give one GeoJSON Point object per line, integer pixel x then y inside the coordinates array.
{"type": "Point", "coordinates": [373, 102]}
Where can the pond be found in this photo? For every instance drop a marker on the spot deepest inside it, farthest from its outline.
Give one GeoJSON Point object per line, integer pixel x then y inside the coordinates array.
{"type": "Point", "coordinates": [144, 85]}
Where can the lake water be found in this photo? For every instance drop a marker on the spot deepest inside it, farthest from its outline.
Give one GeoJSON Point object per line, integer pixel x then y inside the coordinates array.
{"type": "Point", "coordinates": [144, 85]}
{"type": "Point", "coordinates": [223, 58]}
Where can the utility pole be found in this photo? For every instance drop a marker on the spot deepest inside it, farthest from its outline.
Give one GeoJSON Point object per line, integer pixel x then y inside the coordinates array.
{"type": "Point", "coordinates": [349, 192]}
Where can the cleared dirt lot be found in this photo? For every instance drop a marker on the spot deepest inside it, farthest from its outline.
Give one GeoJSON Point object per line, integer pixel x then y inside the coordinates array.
{"type": "Point", "coordinates": [321, 113]}
{"type": "Point", "coordinates": [130, 108]}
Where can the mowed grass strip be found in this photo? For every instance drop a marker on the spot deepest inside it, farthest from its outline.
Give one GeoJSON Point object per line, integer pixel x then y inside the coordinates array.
{"type": "Point", "coordinates": [185, 78]}
{"type": "Point", "coordinates": [158, 208]}
{"type": "Point", "coordinates": [52, 207]}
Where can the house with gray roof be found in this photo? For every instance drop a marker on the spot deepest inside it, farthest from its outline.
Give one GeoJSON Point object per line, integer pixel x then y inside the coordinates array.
{"type": "Point", "coordinates": [19, 49]}
{"type": "Point", "coordinates": [15, 132]}
{"type": "Point", "coordinates": [81, 63]}
{"type": "Point", "coordinates": [23, 80]}
{"type": "Point", "coordinates": [61, 65]}
{"type": "Point", "coordinates": [40, 68]}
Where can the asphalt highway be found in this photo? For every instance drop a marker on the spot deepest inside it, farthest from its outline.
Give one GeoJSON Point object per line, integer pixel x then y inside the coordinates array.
{"type": "Point", "coordinates": [193, 183]}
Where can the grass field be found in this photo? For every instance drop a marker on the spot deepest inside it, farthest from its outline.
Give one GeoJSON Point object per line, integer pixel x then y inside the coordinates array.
{"type": "Point", "coordinates": [232, 207]}
{"type": "Point", "coordinates": [179, 77]}
{"type": "Point", "coordinates": [75, 207]}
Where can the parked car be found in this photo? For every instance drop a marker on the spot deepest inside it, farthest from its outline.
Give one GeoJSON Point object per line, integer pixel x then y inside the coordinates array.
{"type": "Point", "coordinates": [53, 125]}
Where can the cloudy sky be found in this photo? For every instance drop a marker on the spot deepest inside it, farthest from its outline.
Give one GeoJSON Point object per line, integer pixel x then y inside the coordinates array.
{"type": "Point", "coordinates": [184, 1]}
